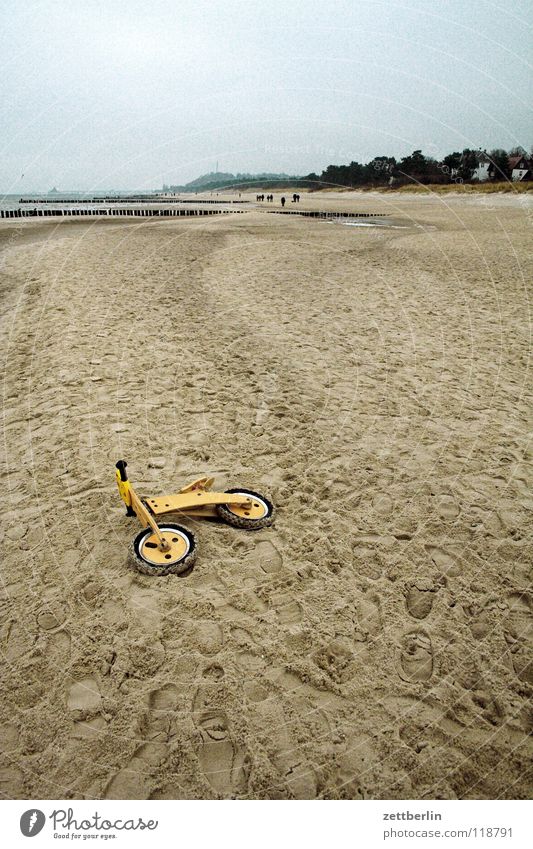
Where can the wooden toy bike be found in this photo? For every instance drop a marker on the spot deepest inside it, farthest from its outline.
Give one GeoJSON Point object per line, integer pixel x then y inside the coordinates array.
{"type": "Point", "coordinates": [161, 549]}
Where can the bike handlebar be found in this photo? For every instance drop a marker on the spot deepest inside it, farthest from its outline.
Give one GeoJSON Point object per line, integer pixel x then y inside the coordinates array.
{"type": "Point", "coordinates": [121, 466]}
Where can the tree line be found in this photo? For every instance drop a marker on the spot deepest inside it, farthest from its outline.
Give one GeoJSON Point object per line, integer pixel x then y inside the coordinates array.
{"type": "Point", "coordinates": [456, 167]}
{"type": "Point", "coordinates": [459, 166]}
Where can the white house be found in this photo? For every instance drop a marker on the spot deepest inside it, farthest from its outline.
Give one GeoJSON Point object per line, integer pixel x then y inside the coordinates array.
{"type": "Point", "coordinates": [520, 168]}
{"type": "Point", "coordinates": [482, 172]}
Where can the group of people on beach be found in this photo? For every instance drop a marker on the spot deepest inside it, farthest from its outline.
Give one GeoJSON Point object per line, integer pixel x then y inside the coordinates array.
{"type": "Point", "coordinates": [270, 198]}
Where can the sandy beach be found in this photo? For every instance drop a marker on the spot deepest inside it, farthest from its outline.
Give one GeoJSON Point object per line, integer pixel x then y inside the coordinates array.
{"type": "Point", "coordinates": [376, 641]}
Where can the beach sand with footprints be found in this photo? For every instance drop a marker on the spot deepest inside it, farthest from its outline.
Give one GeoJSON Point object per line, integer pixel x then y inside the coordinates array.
{"type": "Point", "coordinates": [376, 641]}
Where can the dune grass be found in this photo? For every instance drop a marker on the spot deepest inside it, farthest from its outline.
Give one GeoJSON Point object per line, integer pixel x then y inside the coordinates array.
{"type": "Point", "coordinates": [505, 186]}
{"type": "Point", "coordinates": [467, 188]}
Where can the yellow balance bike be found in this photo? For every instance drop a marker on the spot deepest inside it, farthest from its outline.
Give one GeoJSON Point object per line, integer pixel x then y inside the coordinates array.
{"type": "Point", "coordinates": [161, 549]}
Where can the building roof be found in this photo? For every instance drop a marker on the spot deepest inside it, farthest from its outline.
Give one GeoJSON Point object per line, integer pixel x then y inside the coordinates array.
{"type": "Point", "coordinates": [515, 160]}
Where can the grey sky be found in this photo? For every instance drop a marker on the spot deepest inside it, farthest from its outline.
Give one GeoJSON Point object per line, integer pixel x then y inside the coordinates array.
{"type": "Point", "coordinates": [127, 94]}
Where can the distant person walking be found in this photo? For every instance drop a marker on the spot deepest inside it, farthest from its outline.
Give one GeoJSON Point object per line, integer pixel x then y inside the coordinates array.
{"type": "Point", "coordinates": [283, 201]}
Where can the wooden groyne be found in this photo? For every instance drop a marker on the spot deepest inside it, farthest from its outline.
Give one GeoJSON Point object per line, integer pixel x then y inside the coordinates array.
{"type": "Point", "coordinates": [140, 199]}
{"type": "Point", "coordinates": [120, 211]}
{"type": "Point", "coordinates": [163, 212]}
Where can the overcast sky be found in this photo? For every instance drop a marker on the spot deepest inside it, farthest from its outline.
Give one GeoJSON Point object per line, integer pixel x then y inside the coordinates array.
{"type": "Point", "coordinates": [99, 94]}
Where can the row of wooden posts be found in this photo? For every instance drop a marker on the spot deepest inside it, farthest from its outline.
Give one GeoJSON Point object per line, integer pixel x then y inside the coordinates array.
{"type": "Point", "coordinates": [39, 212]}
{"type": "Point", "coordinates": [144, 213]}
{"type": "Point", "coordinates": [126, 200]}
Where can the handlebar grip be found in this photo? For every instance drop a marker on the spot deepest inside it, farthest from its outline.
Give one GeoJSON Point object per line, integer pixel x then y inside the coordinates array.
{"type": "Point", "coordinates": [121, 466]}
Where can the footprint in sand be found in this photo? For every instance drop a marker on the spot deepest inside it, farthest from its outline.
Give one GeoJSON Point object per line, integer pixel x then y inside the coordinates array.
{"type": "Point", "coordinates": [145, 608]}
{"type": "Point", "coordinates": [289, 610]}
{"type": "Point", "coordinates": [266, 555]}
{"type": "Point", "coordinates": [132, 782]}
{"type": "Point", "coordinates": [84, 696]}
{"type": "Point", "coordinates": [12, 783]}
{"type": "Point", "coordinates": [224, 765]}
{"type": "Point", "coordinates": [91, 592]}
{"type": "Point", "coordinates": [383, 504]}
{"type": "Point", "coordinates": [366, 562]}
{"type": "Point", "coordinates": [213, 672]}
{"type": "Point", "coordinates": [481, 617]}
{"type": "Point", "coordinates": [300, 691]}
{"type": "Point", "coordinates": [519, 635]}
{"type": "Point", "coordinates": [58, 644]}
{"type": "Point", "coordinates": [419, 599]}
{"type": "Point", "coordinates": [447, 508]}
{"type": "Point", "coordinates": [336, 659]}
{"type": "Point", "coordinates": [206, 694]}
{"type": "Point", "coordinates": [355, 766]}
{"type": "Point", "coordinates": [243, 637]}
{"type": "Point", "coordinates": [487, 521]}
{"type": "Point", "coordinates": [444, 561]}
{"type": "Point", "coordinates": [488, 706]}
{"type": "Point", "coordinates": [416, 657]}
{"type": "Point", "coordinates": [18, 641]}
{"type": "Point", "coordinates": [9, 737]}
{"type": "Point", "coordinates": [199, 431]}
{"type": "Point", "coordinates": [206, 636]}
{"type": "Point", "coordinates": [413, 735]}
{"type": "Point", "coordinates": [368, 609]}
{"type": "Point", "coordinates": [164, 698]}
{"type": "Point", "coordinates": [90, 729]}
{"type": "Point", "coordinates": [250, 662]}
{"type": "Point", "coordinates": [284, 754]}
{"type": "Point", "coordinates": [51, 616]}
{"type": "Point", "coordinates": [128, 783]}
{"type": "Point", "coordinates": [301, 781]}
{"type": "Point", "coordinates": [254, 691]}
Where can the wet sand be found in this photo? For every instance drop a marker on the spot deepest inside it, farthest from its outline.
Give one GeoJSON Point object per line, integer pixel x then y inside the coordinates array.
{"type": "Point", "coordinates": [376, 641]}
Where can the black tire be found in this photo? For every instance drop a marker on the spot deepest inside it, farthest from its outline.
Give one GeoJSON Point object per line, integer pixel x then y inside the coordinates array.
{"type": "Point", "coordinates": [174, 567]}
{"type": "Point", "coordinates": [244, 522]}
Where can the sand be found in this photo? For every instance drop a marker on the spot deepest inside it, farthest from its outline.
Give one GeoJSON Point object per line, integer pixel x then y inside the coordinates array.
{"type": "Point", "coordinates": [375, 642]}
